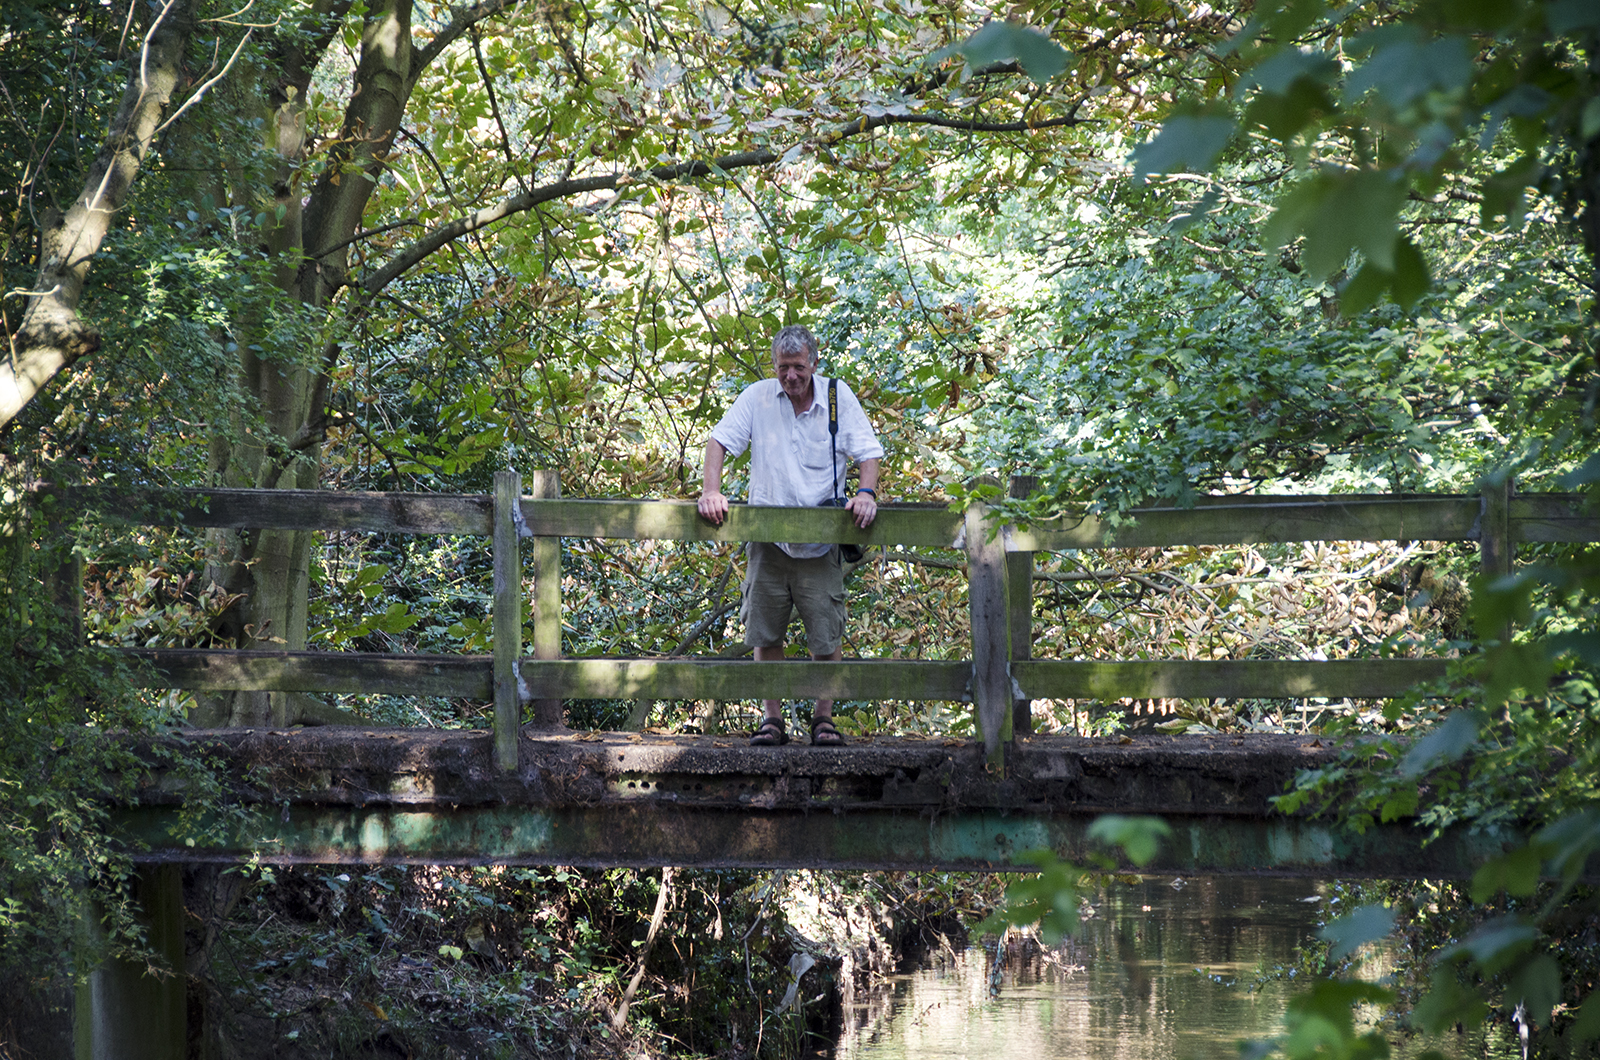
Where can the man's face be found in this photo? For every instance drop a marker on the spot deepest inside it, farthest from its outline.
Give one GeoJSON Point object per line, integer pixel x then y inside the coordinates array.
{"type": "Point", "coordinates": [794, 374]}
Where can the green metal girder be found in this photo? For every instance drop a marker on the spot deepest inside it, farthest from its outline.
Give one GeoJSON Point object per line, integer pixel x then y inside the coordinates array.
{"type": "Point", "coordinates": [644, 834]}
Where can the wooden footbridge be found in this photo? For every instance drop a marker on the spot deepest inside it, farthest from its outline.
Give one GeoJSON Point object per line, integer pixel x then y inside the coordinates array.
{"type": "Point", "coordinates": [530, 791]}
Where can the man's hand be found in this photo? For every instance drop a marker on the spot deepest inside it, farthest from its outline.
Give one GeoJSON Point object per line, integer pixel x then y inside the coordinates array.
{"type": "Point", "coordinates": [714, 506]}
{"type": "Point", "coordinates": [863, 506]}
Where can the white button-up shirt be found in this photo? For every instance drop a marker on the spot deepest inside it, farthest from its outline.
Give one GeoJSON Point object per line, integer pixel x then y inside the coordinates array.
{"type": "Point", "coordinates": [791, 458]}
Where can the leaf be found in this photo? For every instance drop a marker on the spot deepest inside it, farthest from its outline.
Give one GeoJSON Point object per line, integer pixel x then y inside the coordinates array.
{"type": "Point", "coordinates": [1447, 742]}
{"type": "Point", "coordinates": [1338, 213]}
{"type": "Point", "coordinates": [1408, 69]}
{"type": "Point", "coordinates": [1411, 278]}
{"type": "Point", "coordinates": [1187, 143]}
{"type": "Point", "coordinates": [1537, 984]}
{"type": "Point", "coordinates": [1349, 933]}
{"type": "Point", "coordinates": [1363, 289]}
{"type": "Point", "coordinates": [1564, 16]}
{"type": "Point", "coordinates": [1447, 1003]}
{"type": "Point", "coordinates": [1001, 42]}
{"type": "Point", "coordinates": [1284, 114]}
{"type": "Point", "coordinates": [1139, 837]}
{"type": "Point", "coordinates": [1279, 72]}
{"type": "Point", "coordinates": [1358, 212]}
{"type": "Point", "coordinates": [1587, 472]}
{"type": "Point", "coordinates": [1516, 872]}
{"type": "Point", "coordinates": [1589, 123]}
{"type": "Point", "coordinates": [1496, 944]}
{"type": "Point", "coordinates": [1587, 1025]}
{"type": "Point", "coordinates": [1568, 843]}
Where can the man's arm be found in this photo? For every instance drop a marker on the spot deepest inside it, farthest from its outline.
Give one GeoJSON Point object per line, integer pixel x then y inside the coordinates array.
{"type": "Point", "coordinates": [864, 506]}
{"type": "Point", "coordinates": [713, 505]}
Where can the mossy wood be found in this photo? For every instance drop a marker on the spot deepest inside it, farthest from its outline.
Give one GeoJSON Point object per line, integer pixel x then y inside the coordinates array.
{"type": "Point", "coordinates": [930, 679]}
{"type": "Point", "coordinates": [1213, 520]}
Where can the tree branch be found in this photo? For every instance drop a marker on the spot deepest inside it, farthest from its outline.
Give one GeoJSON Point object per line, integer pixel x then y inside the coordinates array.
{"type": "Point", "coordinates": [52, 335]}
{"type": "Point", "coordinates": [465, 225]}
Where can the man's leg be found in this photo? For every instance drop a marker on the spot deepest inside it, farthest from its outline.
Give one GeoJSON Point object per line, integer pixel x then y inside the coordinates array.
{"type": "Point", "coordinates": [820, 599]}
{"type": "Point", "coordinates": [765, 613]}
{"type": "Point", "coordinates": [773, 708]}
{"type": "Point", "coordinates": [824, 707]}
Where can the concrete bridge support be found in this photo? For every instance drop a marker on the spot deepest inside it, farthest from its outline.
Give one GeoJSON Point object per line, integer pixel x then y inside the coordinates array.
{"type": "Point", "coordinates": [130, 1011]}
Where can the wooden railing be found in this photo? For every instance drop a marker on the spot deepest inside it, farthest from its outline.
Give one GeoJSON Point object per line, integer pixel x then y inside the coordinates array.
{"type": "Point", "coordinates": [999, 679]}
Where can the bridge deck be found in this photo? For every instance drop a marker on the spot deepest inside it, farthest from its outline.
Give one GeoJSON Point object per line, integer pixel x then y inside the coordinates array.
{"type": "Point", "coordinates": [364, 795]}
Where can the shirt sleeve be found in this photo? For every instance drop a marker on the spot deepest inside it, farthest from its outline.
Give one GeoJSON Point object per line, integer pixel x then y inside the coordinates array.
{"type": "Point", "coordinates": [734, 430]}
{"type": "Point", "coordinates": [856, 436]}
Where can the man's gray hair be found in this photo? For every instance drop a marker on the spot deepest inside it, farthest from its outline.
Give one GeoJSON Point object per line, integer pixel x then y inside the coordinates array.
{"type": "Point", "coordinates": [796, 338]}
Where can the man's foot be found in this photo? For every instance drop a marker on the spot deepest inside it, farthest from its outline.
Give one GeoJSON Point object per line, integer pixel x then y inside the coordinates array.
{"type": "Point", "coordinates": [770, 733]}
{"type": "Point", "coordinates": [823, 733]}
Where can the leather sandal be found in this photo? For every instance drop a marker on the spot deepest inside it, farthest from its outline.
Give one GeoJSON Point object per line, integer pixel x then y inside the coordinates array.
{"type": "Point", "coordinates": [825, 734]}
{"type": "Point", "coordinates": [770, 733]}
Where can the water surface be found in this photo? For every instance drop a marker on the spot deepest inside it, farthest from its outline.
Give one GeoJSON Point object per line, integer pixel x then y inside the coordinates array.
{"type": "Point", "coordinates": [1159, 972]}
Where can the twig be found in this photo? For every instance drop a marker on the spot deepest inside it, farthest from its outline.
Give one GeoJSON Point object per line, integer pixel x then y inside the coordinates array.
{"type": "Point", "coordinates": [620, 1018]}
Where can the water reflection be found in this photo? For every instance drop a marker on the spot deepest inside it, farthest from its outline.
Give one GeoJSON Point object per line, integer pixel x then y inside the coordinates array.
{"type": "Point", "coordinates": [1159, 971]}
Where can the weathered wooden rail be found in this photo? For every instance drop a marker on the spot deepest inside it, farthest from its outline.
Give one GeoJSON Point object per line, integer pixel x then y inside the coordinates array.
{"type": "Point", "coordinates": [535, 794]}
{"type": "Point", "coordinates": [999, 678]}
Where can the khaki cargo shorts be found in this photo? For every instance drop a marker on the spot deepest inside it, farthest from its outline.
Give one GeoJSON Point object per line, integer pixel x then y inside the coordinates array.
{"type": "Point", "coordinates": [775, 582]}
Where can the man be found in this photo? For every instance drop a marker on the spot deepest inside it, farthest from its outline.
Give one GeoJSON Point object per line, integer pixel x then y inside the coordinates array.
{"type": "Point", "coordinates": [784, 424]}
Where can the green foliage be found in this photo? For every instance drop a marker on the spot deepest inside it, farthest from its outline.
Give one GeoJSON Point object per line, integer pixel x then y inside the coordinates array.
{"type": "Point", "coordinates": [1051, 897]}
{"type": "Point", "coordinates": [1000, 42]}
{"type": "Point", "coordinates": [1430, 99]}
{"type": "Point", "coordinates": [66, 765]}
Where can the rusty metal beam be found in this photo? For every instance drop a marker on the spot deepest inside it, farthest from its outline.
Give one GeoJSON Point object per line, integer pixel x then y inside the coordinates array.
{"type": "Point", "coordinates": [655, 833]}
{"type": "Point", "coordinates": [395, 796]}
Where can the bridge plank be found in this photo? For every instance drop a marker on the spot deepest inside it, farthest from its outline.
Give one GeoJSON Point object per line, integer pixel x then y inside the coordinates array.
{"type": "Point", "coordinates": [924, 526]}
{"type": "Point", "coordinates": [1212, 521]}
{"type": "Point", "coordinates": [1553, 517]}
{"type": "Point", "coordinates": [1225, 678]}
{"type": "Point", "coordinates": [406, 513]}
{"type": "Point", "coordinates": [1266, 520]}
{"type": "Point", "coordinates": [470, 676]}
{"type": "Point", "coordinates": [201, 669]}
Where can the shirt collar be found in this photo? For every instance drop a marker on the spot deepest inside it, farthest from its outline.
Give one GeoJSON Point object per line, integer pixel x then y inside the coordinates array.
{"type": "Point", "coordinates": [818, 397]}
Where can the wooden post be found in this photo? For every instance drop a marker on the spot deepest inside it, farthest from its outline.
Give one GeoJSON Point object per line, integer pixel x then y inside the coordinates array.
{"type": "Point", "coordinates": [507, 618]}
{"type": "Point", "coordinates": [1019, 578]}
{"type": "Point", "coordinates": [63, 582]}
{"type": "Point", "coordinates": [547, 713]}
{"type": "Point", "coordinates": [1495, 548]}
{"type": "Point", "coordinates": [1496, 551]}
{"type": "Point", "coordinates": [992, 697]}
{"type": "Point", "coordinates": [125, 1011]}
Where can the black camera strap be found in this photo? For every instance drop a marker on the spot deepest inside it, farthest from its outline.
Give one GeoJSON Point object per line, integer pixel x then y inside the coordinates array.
{"type": "Point", "coordinates": [833, 434]}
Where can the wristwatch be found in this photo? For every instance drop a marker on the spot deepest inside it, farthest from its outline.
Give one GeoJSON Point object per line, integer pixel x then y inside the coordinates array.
{"type": "Point", "coordinates": [868, 489]}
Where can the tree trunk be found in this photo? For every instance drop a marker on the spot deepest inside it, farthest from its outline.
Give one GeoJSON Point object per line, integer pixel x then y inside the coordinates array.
{"type": "Point", "coordinates": [279, 446]}
{"type": "Point", "coordinates": [51, 334]}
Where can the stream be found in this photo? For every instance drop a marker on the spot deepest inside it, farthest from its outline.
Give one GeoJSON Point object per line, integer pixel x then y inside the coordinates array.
{"type": "Point", "coordinates": [1159, 971]}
